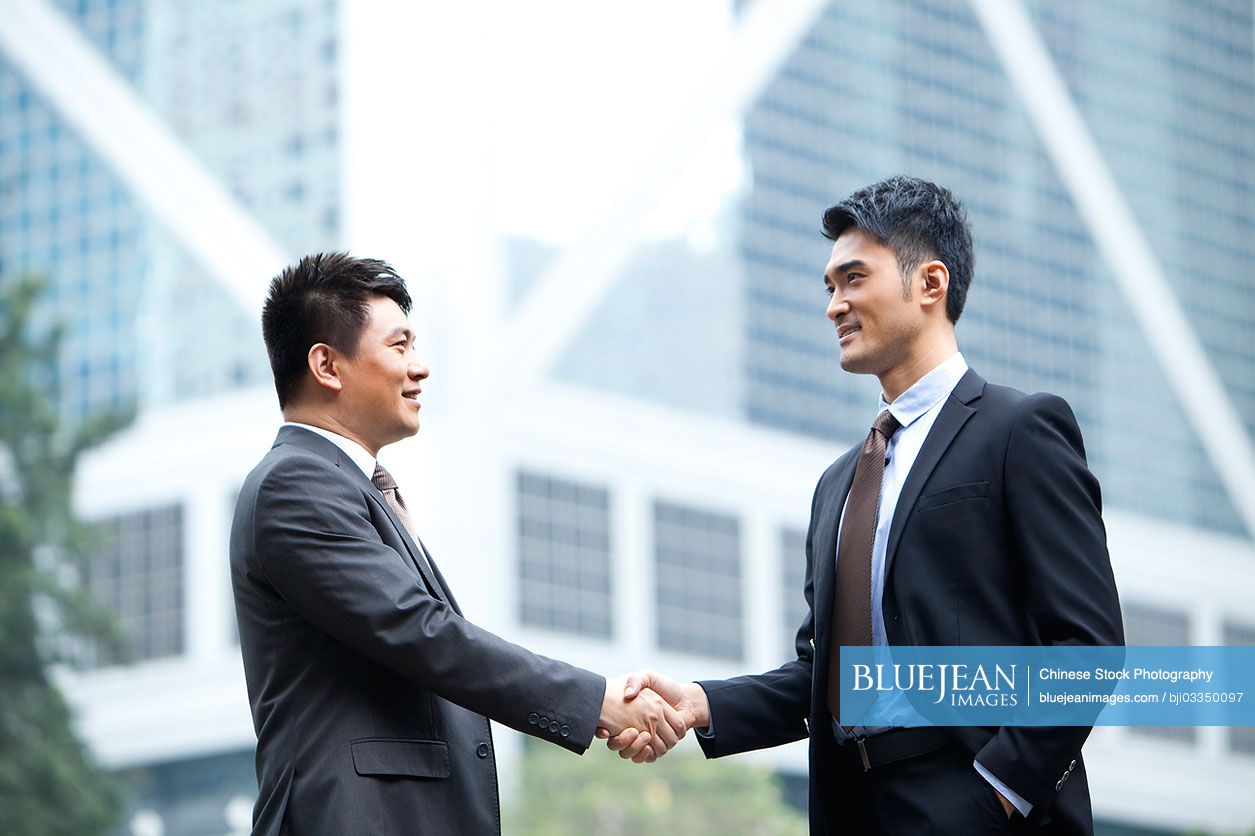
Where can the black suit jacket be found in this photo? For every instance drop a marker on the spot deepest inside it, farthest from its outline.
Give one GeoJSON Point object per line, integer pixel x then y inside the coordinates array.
{"type": "Point", "coordinates": [997, 539]}
{"type": "Point", "coordinates": [370, 692]}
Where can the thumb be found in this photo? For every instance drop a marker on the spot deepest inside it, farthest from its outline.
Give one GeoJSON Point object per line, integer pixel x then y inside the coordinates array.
{"type": "Point", "coordinates": [635, 683]}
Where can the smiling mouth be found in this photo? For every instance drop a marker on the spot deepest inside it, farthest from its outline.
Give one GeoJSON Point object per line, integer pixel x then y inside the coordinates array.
{"type": "Point", "coordinates": [844, 332]}
{"type": "Point", "coordinates": [411, 396]}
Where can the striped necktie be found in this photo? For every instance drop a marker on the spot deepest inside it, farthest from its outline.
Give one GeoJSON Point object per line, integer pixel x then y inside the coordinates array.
{"type": "Point", "coordinates": [383, 480]}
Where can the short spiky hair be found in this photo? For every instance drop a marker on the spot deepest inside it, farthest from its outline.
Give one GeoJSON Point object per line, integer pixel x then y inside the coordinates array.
{"type": "Point", "coordinates": [919, 221]}
{"type": "Point", "coordinates": [322, 298]}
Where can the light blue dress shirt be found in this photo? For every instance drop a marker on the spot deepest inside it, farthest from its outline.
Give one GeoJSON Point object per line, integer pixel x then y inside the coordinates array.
{"type": "Point", "coordinates": [916, 410]}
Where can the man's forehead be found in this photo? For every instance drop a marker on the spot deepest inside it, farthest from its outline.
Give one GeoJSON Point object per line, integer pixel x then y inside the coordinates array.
{"type": "Point", "coordinates": [386, 315]}
{"type": "Point", "coordinates": [854, 244]}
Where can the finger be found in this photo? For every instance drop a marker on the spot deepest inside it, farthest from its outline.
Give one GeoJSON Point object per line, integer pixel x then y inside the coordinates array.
{"type": "Point", "coordinates": [659, 724]}
{"type": "Point", "coordinates": [603, 733]}
{"type": "Point", "coordinates": [637, 749]}
{"type": "Point", "coordinates": [622, 740]}
{"type": "Point", "coordinates": [646, 755]}
{"type": "Point", "coordinates": [675, 720]}
{"type": "Point", "coordinates": [664, 737]}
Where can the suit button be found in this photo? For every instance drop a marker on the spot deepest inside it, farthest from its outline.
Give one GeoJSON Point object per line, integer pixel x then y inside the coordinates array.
{"type": "Point", "coordinates": [565, 731]}
{"type": "Point", "coordinates": [1059, 785]}
{"type": "Point", "coordinates": [897, 618]}
{"type": "Point", "coordinates": [553, 727]}
{"type": "Point", "coordinates": [544, 721]}
{"type": "Point", "coordinates": [1071, 766]}
{"type": "Point", "coordinates": [533, 719]}
{"type": "Point", "coordinates": [482, 750]}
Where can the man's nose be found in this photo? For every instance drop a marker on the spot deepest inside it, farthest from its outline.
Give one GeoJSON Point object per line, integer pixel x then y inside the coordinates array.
{"type": "Point", "coordinates": [837, 306]}
{"type": "Point", "coordinates": [419, 372]}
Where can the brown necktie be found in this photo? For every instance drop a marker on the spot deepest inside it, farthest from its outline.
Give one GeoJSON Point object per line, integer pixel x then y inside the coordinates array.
{"type": "Point", "coordinates": [388, 487]}
{"type": "Point", "coordinates": [851, 610]}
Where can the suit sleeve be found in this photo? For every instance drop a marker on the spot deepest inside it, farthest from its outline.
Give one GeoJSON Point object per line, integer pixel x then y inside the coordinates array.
{"type": "Point", "coordinates": [768, 709]}
{"type": "Point", "coordinates": [314, 543]}
{"type": "Point", "coordinates": [1054, 510]}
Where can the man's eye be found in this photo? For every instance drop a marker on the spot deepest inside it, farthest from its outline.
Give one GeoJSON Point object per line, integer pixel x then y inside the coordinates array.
{"type": "Point", "coordinates": [829, 289]}
{"type": "Point", "coordinates": [849, 277]}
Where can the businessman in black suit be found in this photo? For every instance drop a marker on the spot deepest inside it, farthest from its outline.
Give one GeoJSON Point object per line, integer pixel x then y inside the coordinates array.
{"type": "Point", "coordinates": [370, 692]}
{"type": "Point", "coordinates": [968, 516]}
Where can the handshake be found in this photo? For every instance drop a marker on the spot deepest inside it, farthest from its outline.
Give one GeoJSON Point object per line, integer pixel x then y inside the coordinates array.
{"type": "Point", "coordinates": [645, 714]}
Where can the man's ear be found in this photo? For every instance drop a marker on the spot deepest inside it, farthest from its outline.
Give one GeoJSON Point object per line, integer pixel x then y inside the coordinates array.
{"type": "Point", "coordinates": [322, 361]}
{"type": "Point", "coordinates": [934, 283]}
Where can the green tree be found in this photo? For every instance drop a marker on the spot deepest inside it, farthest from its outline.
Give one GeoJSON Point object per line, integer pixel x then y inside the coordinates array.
{"type": "Point", "coordinates": [49, 784]}
{"type": "Point", "coordinates": [600, 795]}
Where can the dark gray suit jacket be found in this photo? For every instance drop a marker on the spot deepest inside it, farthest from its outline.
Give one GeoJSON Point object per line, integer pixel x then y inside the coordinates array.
{"type": "Point", "coordinates": [997, 539]}
{"type": "Point", "coordinates": [370, 692]}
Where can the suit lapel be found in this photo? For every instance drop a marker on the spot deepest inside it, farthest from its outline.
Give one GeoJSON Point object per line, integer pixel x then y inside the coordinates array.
{"type": "Point", "coordinates": [444, 585]}
{"type": "Point", "coordinates": [426, 568]}
{"type": "Point", "coordinates": [950, 420]}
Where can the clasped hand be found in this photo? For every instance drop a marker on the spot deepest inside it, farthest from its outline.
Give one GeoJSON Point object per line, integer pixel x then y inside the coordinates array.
{"type": "Point", "coordinates": [644, 714]}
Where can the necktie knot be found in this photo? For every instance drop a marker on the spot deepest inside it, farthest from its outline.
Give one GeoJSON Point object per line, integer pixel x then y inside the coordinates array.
{"type": "Point", "coordinates": [382, 479]}
{"type": "Point", "coordinates": [886, 424]}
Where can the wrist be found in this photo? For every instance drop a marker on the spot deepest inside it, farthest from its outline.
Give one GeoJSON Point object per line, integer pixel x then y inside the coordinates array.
{"type": "Point", "coordinates": [695, 696]}
{"type": "Point", "coordinates": [606, 717]}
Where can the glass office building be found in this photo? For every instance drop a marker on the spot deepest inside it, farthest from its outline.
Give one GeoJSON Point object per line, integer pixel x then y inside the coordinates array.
{"type": "Point", "coordinates": [879, 88]}
{"type": "Point", "coordinates": [252, 89]}
{"type": "Point", "coordinates": [65, 218]}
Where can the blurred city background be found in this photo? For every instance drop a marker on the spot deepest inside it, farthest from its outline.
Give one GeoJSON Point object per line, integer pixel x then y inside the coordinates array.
{"type": "Point", "coordinates": [608, 214]}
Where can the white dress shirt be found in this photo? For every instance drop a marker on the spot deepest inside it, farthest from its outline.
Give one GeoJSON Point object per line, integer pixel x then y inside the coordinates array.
{"type": "Point", "coordinates": [359, 454]}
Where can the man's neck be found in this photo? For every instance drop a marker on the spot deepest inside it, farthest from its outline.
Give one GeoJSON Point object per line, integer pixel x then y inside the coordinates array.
{"type": "Point", "coordinates": [903, 376]}
{"type": "Point", "coordinates": [325, 421]}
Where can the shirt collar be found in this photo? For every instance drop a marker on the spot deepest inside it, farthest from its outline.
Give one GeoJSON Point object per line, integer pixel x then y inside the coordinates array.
{"type": "Point", "coordinates": [926, 392]}
{"type": "Point", "coordinates": [359, 454]}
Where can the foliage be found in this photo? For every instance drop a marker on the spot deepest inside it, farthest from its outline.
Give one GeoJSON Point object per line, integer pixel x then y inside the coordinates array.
{"type": "Point", "coordinates": [598, 794]}
{"type": "Point", "coordinates": [49, 784]}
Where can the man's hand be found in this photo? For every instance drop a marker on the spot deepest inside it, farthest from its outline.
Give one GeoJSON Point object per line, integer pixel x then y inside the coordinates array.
{"type": "Point", "coordinates": [1007, 806]}
{"type": "Point", "coordinates": [688, 700]}
{"type": "Point", "coordinates": [654, 726]}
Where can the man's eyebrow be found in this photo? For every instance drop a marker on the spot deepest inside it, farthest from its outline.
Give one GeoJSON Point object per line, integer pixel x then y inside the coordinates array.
{"type": "Point", "coordinates": [399, 331]}
{"type": "Point", "coordinates": [843, 267]}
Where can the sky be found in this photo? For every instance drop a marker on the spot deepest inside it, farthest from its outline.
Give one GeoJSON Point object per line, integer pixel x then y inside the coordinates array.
{"type": "Point", "coordinates": [532, 118]}
{"type": "Point", "coordinates": [587, 88]}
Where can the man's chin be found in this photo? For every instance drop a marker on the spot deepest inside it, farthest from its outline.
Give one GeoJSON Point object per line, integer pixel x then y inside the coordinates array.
{"type": "Point", "coordinates": [403, 432]}
{"type": "Point", "coordinates": [853, 364]}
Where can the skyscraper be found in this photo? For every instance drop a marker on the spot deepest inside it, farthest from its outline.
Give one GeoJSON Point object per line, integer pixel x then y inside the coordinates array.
{"type": "Point", "coordinates": [878, 88]}
{"type": "Point", "coordinates": [252, 89]}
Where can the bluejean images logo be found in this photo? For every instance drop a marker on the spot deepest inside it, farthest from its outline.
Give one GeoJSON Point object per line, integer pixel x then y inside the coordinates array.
{"type": "Point", "coordinates": [960, 685]}
{"type": "Point", "coordinates": [1047, 686]}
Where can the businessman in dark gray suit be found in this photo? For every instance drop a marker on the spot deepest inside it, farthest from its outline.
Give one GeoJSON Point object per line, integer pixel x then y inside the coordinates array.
{"type": "Point", "coordinates": [370, 692]}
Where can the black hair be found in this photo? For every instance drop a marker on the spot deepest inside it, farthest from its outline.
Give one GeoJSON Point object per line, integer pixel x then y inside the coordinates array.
{"type": "Point", "coordinates": [323, 298]}
{"type": "Point", "coordinates": [919, 221]}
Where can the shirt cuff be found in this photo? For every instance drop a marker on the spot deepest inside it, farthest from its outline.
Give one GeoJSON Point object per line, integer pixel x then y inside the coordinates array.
{"type": "Point", "coordinates": [707, 732]}
{"type": "Point", "coordinates": [1009, 794]}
